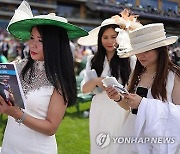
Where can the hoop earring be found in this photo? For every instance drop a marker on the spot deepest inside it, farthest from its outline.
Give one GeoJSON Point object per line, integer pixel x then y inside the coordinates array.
{"type": "Point", "coordinates": [115, 45]}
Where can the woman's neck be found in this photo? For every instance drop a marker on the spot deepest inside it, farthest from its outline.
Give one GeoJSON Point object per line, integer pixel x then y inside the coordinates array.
{"type": "Point", "coordinates": [150, 70]}
{"type": "Point", "coordinates": [109, 55]}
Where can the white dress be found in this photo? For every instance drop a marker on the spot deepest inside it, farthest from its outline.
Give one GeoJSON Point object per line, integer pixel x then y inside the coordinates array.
{"type": "Point", "coordinates": [106, 117]}
{"type": "Point", "coordinates": [20, 139]}
{"type": "Point", "coordinates": [128, 129]}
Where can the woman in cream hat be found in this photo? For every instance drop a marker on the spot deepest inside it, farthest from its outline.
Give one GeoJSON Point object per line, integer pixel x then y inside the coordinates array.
{"type": "Point", "coordinates": [154, 93]}
{"type": "Point", "coordinates": [106, 119]}
{"type": "Point", "coordinates": [47, 79]}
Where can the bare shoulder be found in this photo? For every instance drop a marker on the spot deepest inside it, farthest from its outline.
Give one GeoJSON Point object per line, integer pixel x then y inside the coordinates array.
{"type": "Point", "coordinates": [177, 81]}
{"type": "Point", "coordinates": [57, 96]}
{"type": "Point", "coordinates": [177, 78]}
{"type": "Point", "coordinates": [176, 90]}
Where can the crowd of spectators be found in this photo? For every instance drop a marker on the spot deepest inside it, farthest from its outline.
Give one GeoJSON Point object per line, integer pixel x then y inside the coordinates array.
{"type": "Point", "coordinates": [144, 9]}
{"type": "Point", "coordinates": [11, 48]}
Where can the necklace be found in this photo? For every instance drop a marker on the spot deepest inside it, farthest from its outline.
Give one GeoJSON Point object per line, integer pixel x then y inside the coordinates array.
{"type": "Point", "coordinates": [148, 85]}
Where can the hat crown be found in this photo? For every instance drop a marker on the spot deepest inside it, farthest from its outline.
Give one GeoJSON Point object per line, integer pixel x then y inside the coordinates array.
{"type": "Point", "coordinates": [108, 21]}
{"type": "Point", "coordinates": [147, 35]}
{"type": "Point", "coordinates": [147, 38]}
{"type": "Point", "coordinates": [52, 16]}
{"type": "Point", "coordinates": [21, 13]}
{"type": "Point", "coordinates": [146, 29]}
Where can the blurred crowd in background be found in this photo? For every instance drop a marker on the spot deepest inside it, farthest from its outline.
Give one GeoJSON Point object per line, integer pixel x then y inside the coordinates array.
{"type": "Point", "coordinates": [146, 7]}
{"type": "Point", "coordinates": [12, 49]}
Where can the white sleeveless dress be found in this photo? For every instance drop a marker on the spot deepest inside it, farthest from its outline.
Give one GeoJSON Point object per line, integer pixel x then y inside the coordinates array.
{"type": "Point", "coordinates": [19, 139]}
{"type": "Point", "coordinates": [106, 117]}
{"type": "Point", "coordinates": [128, 129]}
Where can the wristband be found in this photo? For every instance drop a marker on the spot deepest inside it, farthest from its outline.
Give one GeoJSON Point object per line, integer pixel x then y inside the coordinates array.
{"type": "Point", "coordinates": [119, 99]}
{"type": "Point", "coordinates": [21, 120]}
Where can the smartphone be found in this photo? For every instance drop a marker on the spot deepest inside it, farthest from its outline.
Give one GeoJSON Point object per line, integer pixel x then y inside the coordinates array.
{"type": "Point", "coordinates": [121, 89]}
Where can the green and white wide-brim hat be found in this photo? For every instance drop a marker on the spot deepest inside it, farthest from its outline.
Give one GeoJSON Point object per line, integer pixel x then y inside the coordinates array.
{"type": "Point", "coordinates": [146, 38]}
{"type": "Point", "coordinates": [23, 21]}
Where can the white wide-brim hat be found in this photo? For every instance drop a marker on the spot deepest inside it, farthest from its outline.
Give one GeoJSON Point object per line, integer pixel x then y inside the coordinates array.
{"type": "Point", "coordinates": [92, 38]}
{"type": "Point", "coordinates": [147, 38]}
{"type": "Point", "coordinates": [23, 20]}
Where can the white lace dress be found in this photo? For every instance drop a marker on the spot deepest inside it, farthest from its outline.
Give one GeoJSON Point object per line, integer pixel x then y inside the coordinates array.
{"type": "Point", "coordinates": [19, 139]}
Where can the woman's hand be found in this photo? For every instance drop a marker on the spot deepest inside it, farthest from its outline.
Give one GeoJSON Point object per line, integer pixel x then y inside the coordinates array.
{"type": "Point", "coordinates": [118, 97]}
{"type": "Point", "coordinates": [133, 100]}
{"type": "Point", "coordinates": [113, 93]}
{"type": "Point", "coordinates": [93, 83]}
{"type": "Point", "coordinates": [10, 110]}
{"type": "Point", "coordinates": [99, 83]}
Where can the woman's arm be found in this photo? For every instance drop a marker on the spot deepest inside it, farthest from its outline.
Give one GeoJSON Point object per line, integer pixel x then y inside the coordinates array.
{"type": "Point", "coordinates": [48, 126]}
{"type": "Point", "coordinates": [175, 92]}
{"type": "Point", "coordinates": [88, 85]}
{"type": "Point", "coordinates": [91, 84]}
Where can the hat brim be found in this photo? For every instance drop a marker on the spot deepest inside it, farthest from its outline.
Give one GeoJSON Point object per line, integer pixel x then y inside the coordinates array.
{"type": "Point", "coordinates": [164, 42]}
{"type": "Point", "coordinates": [91, 39]}
{"type": "Point", "coordinates": [22, 28]}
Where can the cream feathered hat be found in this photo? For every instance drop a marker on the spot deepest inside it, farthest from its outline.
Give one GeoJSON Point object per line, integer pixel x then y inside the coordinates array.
{"type": "Point", "coordinates": [146, 38]}
{"type": "Point", "coordinates": [125, 21]}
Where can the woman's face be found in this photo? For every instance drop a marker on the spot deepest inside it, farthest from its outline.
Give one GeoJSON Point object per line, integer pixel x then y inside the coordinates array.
{"type": "Point", "coordinates": [148, 58]}
{"type": "Point", "coordinates": [108, 39]}
{"type": "Point", "coordinates": [35, 45]}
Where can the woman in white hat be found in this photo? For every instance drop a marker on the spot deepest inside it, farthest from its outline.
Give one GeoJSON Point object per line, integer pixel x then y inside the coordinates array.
{"type": "Point", "coordinates": [106, 118]}
{"type": "Point", "coordinates": [154, 94]}
{"type": "Point", "coordinates": [47, 79]}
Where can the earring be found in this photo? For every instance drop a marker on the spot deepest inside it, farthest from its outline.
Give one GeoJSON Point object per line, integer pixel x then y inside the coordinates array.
{"type": "Point", "coordinates": [115, 45]}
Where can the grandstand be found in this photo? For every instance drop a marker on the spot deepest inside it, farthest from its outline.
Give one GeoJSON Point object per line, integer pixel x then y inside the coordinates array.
{"type": "Point", "coordinates": [90, 13]}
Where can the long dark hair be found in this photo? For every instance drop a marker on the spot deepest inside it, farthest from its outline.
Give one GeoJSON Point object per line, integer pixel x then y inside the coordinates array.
{"type": "Point", "coordinates": [58, 62]}
{"type": "Point", "coordinates": [164, 65]}
{"type": "Point", "coordinates": [119, 67]}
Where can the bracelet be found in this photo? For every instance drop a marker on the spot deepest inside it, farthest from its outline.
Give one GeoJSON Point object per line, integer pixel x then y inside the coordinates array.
{"type": "Point", "coordinates": [21, 120]}
{"type": "Point", "coordinates": [119, 99]}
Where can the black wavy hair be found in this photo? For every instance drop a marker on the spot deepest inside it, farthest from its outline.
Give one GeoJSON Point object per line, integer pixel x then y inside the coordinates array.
{"type": "Point", "coordinates": [58, 62]}
{"type": "Point", "coordinates": [119, 67]}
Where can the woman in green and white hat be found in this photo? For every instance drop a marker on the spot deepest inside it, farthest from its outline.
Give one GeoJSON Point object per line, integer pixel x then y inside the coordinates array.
{"type": "Point", "coordinates": [47, 79]}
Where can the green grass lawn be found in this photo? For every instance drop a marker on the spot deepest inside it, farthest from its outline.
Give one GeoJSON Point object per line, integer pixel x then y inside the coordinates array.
{"type": "Point", "coordinates": [2, 126]}
{"type": "Point", "coordinates": [73, 133]}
